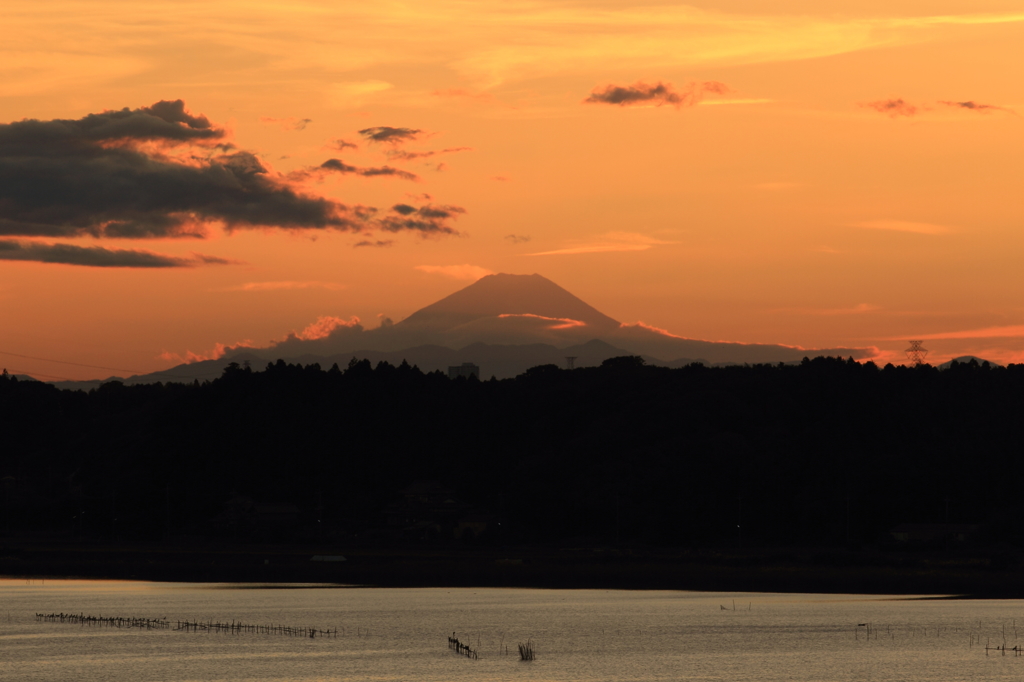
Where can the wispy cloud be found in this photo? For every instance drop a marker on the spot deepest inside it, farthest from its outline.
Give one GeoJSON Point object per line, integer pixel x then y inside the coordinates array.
{"type": "Point", "coordinates": [608, 243]}
{"type": "Point", "coordinates": [376, 243]}
{"type": "Point", "coordinates": [463, 93]}
{"type": "Point", "coordinates": [1008, 331]}
{"type": "Point", "coordinates": [710, 102]}
{"type": "Point", "coordinates": [462, 272]}
{"type": "Point", "coordinates": [902, 226]}
{"type": "Point", "coordinates": [859, 309]}
{"type": "Point", "coordinates": [98, 256]}
{"type": "Point", "coordinates": [355, 93]}
{"type": "Point", "coordinates": [401, 155]}
{"type": "Point", "coordinates": [279, 286]}
{"type": "Point", "coordinates": [899, 107]}
{"type": "Point", "coordinates": [484, 43]}
{"type": "Point", "coordinates": [973, 106]}
{"type": "Point", "coordinates": [658, 94]}
{"type": "Point", "coordinates": [517, 238]}
{"type": "Point", "coordinates": [289, 123]}
{"type": "Point", "coordinates": [893, 107]}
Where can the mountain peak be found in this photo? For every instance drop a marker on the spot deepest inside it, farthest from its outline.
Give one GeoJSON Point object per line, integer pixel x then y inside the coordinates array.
{"type": "Point", "coordinates": [505, 294]}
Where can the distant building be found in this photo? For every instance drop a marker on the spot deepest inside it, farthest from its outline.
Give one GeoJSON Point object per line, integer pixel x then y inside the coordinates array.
{"type": "Point", "coordinates": [466, 369]}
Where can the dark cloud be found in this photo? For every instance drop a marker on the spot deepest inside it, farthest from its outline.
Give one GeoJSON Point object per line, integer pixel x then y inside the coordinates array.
{"type": "Point", "coordinates": [658, 94]}
{"type": "Point", "coordinates": [517, 238]}
{"type": "Point", "coordinates": [390, 135]}
{"type": "Point", "coordinates": [339, 166]}
{"type": "Point", "coordinates": [94, 176]}
{"type": "Point", "coordinates": [97, 256]}
{"type": "Point", "coordinates": [430, 219]}
{"type": "Point", "coordinates": [974, 106]}
{"type": "Point", "coordinates": [893, 107]}
{"type": "Point", "coordinates": [377, 243]}
{"type": "Point", "coordinates": [164, 121]}
{"type": "Point", "coordinates": [400, 155]}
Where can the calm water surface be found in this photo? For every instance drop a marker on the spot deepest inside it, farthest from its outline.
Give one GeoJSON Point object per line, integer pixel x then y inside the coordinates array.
{"type": "Point", "coordinates": [401, 634]}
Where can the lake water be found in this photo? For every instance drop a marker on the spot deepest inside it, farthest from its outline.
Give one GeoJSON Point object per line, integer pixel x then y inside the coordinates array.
{"type": "Point", "coordinates": [401, 634]}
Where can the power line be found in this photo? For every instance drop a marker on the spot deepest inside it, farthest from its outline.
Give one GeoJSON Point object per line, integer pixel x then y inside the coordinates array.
{"type": "Point", "coordinates": [65, 362]}
{"type": "Point", "coordinates": [169, 373]}
{"type": "Point", "coordinates": [33, 374]}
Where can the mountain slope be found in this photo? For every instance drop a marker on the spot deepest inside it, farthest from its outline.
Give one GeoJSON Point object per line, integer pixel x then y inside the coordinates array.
{"type": "Point", "coordinates": [502, 294]}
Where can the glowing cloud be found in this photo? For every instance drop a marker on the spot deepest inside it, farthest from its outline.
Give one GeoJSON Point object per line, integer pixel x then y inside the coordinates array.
{"type": "Point", "coordinates": [284, 286]}
{"type": "Point", "coordinates": [324, 325]}
{"type": "Point", "coordinates": [611, 242]}
{"type": "Point", "coordinates": [1009, 331]}
{"type": "Point", "coordinates": [219, 350]}
{"type": "Point", "coordinates": [461, 272]}
{"type": "Point", "coordinates": [560, 322]}
{"type": "Point", "coordinates": [355, 93]}
{"type": "Point", "coordinates": [902, 226]}
{"type": "Point", "coordinates": [650, 328]}
{"type": "Point", "coordinates": [858, 309]}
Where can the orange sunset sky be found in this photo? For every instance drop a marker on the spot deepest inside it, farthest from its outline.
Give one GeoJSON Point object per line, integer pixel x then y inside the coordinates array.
{"type": "Point", "coordinates": [842, 174]}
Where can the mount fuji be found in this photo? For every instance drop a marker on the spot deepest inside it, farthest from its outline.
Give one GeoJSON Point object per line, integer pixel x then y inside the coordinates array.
{"type": "Point", "coordinates": [503, 323]}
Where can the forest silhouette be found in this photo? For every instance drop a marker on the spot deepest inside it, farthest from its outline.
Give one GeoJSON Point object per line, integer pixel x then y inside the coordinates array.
{"type": "Point", "coordinates": [828, 452]}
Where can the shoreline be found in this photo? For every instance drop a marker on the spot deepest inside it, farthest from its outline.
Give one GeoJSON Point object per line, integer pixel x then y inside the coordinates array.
{"type": "Point", "coordinates": [811, 571]}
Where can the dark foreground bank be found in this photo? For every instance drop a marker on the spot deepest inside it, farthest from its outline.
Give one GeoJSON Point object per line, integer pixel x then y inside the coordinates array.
{"type": "Point", "coordinates": [805, 571]}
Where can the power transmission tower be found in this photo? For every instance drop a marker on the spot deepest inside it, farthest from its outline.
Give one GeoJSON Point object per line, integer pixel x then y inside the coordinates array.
{"type": "Point", "coordinates": [570, 362]}
{"type": "Point", "coordinates": [916, 353]}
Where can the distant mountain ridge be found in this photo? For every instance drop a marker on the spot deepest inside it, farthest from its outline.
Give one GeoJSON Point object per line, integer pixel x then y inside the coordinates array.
{"type": "Point", "coordinates": [505, 324]}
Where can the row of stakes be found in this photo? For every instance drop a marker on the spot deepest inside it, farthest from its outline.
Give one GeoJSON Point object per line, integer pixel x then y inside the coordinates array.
{"type": "Point", "coordinates": [526, 652]}
{"type": "Point", "coordinates": [1003, 649]}
{"type": "Point", "coordinates": [234, 627]}
{"type": "Point", "coordinates": [464, 649]}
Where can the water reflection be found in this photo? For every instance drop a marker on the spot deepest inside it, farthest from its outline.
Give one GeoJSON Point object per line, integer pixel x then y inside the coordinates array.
{"type": "Point", "coordinates": [402, 634]}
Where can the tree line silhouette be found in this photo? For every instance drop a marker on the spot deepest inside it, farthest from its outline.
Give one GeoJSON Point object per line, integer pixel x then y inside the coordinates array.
{"type": "Point", "coordinates": [822, 453]}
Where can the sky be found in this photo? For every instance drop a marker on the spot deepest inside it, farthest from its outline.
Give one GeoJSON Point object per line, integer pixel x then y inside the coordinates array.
{"type": "Point", "coordinates": [177, 177]}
